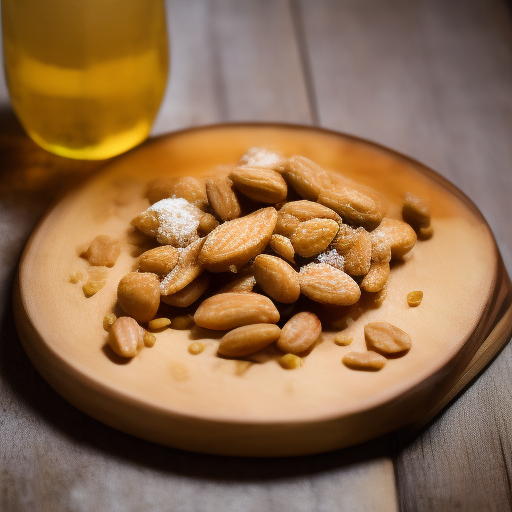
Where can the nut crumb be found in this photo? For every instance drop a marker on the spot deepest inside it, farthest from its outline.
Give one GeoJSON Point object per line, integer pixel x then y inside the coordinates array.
{"type": "Point", "coordinates": [75, 277]}
{"type": "Point", "coordinates": [290, 361]}
{"type": "Point", "coordinates": [414, 298]}
{"type": "Point", "coordinates": [108, 321]}
{"type": "Point", "coordinates": [196, 348]}
{"type": "Point", "coordinates": [149, 339]}
{"type": "Point", "coordinates": [158, 323]}
{"type": "Point", "coordinates": [95, 282]}
{"type": "Point", "coordinates": [343, 340]}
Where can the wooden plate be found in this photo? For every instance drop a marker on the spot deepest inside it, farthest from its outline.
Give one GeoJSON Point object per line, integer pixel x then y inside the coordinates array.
{"type": "Point", "coordinates": [208, 404]}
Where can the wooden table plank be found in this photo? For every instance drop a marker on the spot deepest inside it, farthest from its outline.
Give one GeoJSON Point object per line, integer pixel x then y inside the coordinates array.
{"type": "Point", "coordinates": [434, 79]}
{"type": "Point", "coordinates": [232, 61]}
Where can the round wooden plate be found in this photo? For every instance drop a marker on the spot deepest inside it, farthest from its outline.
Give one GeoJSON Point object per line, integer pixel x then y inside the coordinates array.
{"type": "Point", "coordinates": [208, 404]}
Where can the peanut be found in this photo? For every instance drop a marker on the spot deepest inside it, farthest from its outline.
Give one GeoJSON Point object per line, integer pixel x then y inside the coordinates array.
{"type": "Point", "coordinates": [399, 235]}
{"type": "Point", "coordinates": [299, 333]}
{"type": "Point", "coordinates": [139, 295]}
{"type": "Point", "coordinates": [125, 337]}
{"type": "Point", "coordinates": [229, 310]}
{"type": "Point", "coordinates": [343, 339]}
{"type": "Point", "coordinates": [159, 261]}
{"type": "Point", "coordinates": [188, 295]}
{"type": "Point", "coordinates": [248, 339]}
{"type": "Point", "coordinates": [370, 361]}
{"type": "Point", "coordinates": [386, 339]}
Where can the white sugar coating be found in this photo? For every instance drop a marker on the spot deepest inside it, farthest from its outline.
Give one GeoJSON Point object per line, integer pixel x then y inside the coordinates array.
{"type": "Point", "coordinates": [262, 157]}
{"type": "Point", "coordinates": [380, 246]}
{"type": "Point", "coordinates": [331, 257]}
{"type": "Point", "coordinates": [178, 221]}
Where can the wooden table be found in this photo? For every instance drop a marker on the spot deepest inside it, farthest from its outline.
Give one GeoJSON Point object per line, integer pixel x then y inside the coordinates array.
{"type": "Point", "coordinates": [430, 78]}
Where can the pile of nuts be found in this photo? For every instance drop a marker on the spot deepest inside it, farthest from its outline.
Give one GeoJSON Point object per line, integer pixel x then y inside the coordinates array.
{"type": "Point", "coordinates": [285, 227]}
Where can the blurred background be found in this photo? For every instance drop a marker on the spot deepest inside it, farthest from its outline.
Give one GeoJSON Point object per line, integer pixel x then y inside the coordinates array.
{"type": "Point", "coordinates": [429, 78]}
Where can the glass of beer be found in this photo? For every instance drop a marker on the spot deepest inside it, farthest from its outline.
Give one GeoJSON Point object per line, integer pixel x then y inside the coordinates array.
{"type": "Point", "coordinates": [85, 77]}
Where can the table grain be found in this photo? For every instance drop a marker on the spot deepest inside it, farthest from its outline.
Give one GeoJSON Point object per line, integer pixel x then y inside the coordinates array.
{"type": "Point", "coordinates": [429, 78]}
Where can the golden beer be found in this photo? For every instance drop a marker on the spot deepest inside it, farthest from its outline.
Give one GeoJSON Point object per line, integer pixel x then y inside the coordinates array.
{"type": "Point", "coordinates": [86, 77]}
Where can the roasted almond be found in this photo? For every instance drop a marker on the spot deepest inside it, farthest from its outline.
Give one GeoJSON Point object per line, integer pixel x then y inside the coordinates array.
{"type": "Point", "coordinates": [248, 339]}
{"type": "Point", "coordinates": [376, 277]}
{"type": "Point", "coordinates": [399, 235]}
{"type": "Point", "coordinates": [159, 261]}
{"type": "Point", "coordinates": [416, 211]}
{"type": "Point", "coordinates": [286, 224]}
{"type": "Point", "coordinates": [305, 177]}
{"type": "Point", "coordinates": [190, 293]}
{"type": "Point", "coordinates": [370, 361]}
{"type": "Point", "coordinates": [282, 246]}
{"type": "Point", "coordinates": [380, 201]}
{"type": "Point", "coordinates": [222, 198]}
{"type": "Point", "coordinates": [307, 210]}
{"type": "Point", "coordinates": [313, 236]}
{"type": "Point", "coordinates": [386, 338]}
{"type": "Point", "coordinates": [358, 257]}
{"type": "Point", "coordinates": [186, 270]}
{"type": "Point", "coordinates": [276, 278]}
{"type": "Point", "coordinates": [353, 206]}
{"type": "Point", "coordinates": [138, 293]}
{"type": "Point", "coordinates": [229, 310]}
{"type": "Point", "coordinates": [299, 333]}
{"type": "Point", "coordinates": [328, 285]}
{"type": "Point", "coordinates": [261, 185]}
{"type": "Point", "coordinates": [236, 242]}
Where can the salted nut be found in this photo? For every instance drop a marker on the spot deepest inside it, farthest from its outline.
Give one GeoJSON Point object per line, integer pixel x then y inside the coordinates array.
{"type": "Point", "coordinates": [265, 239]}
